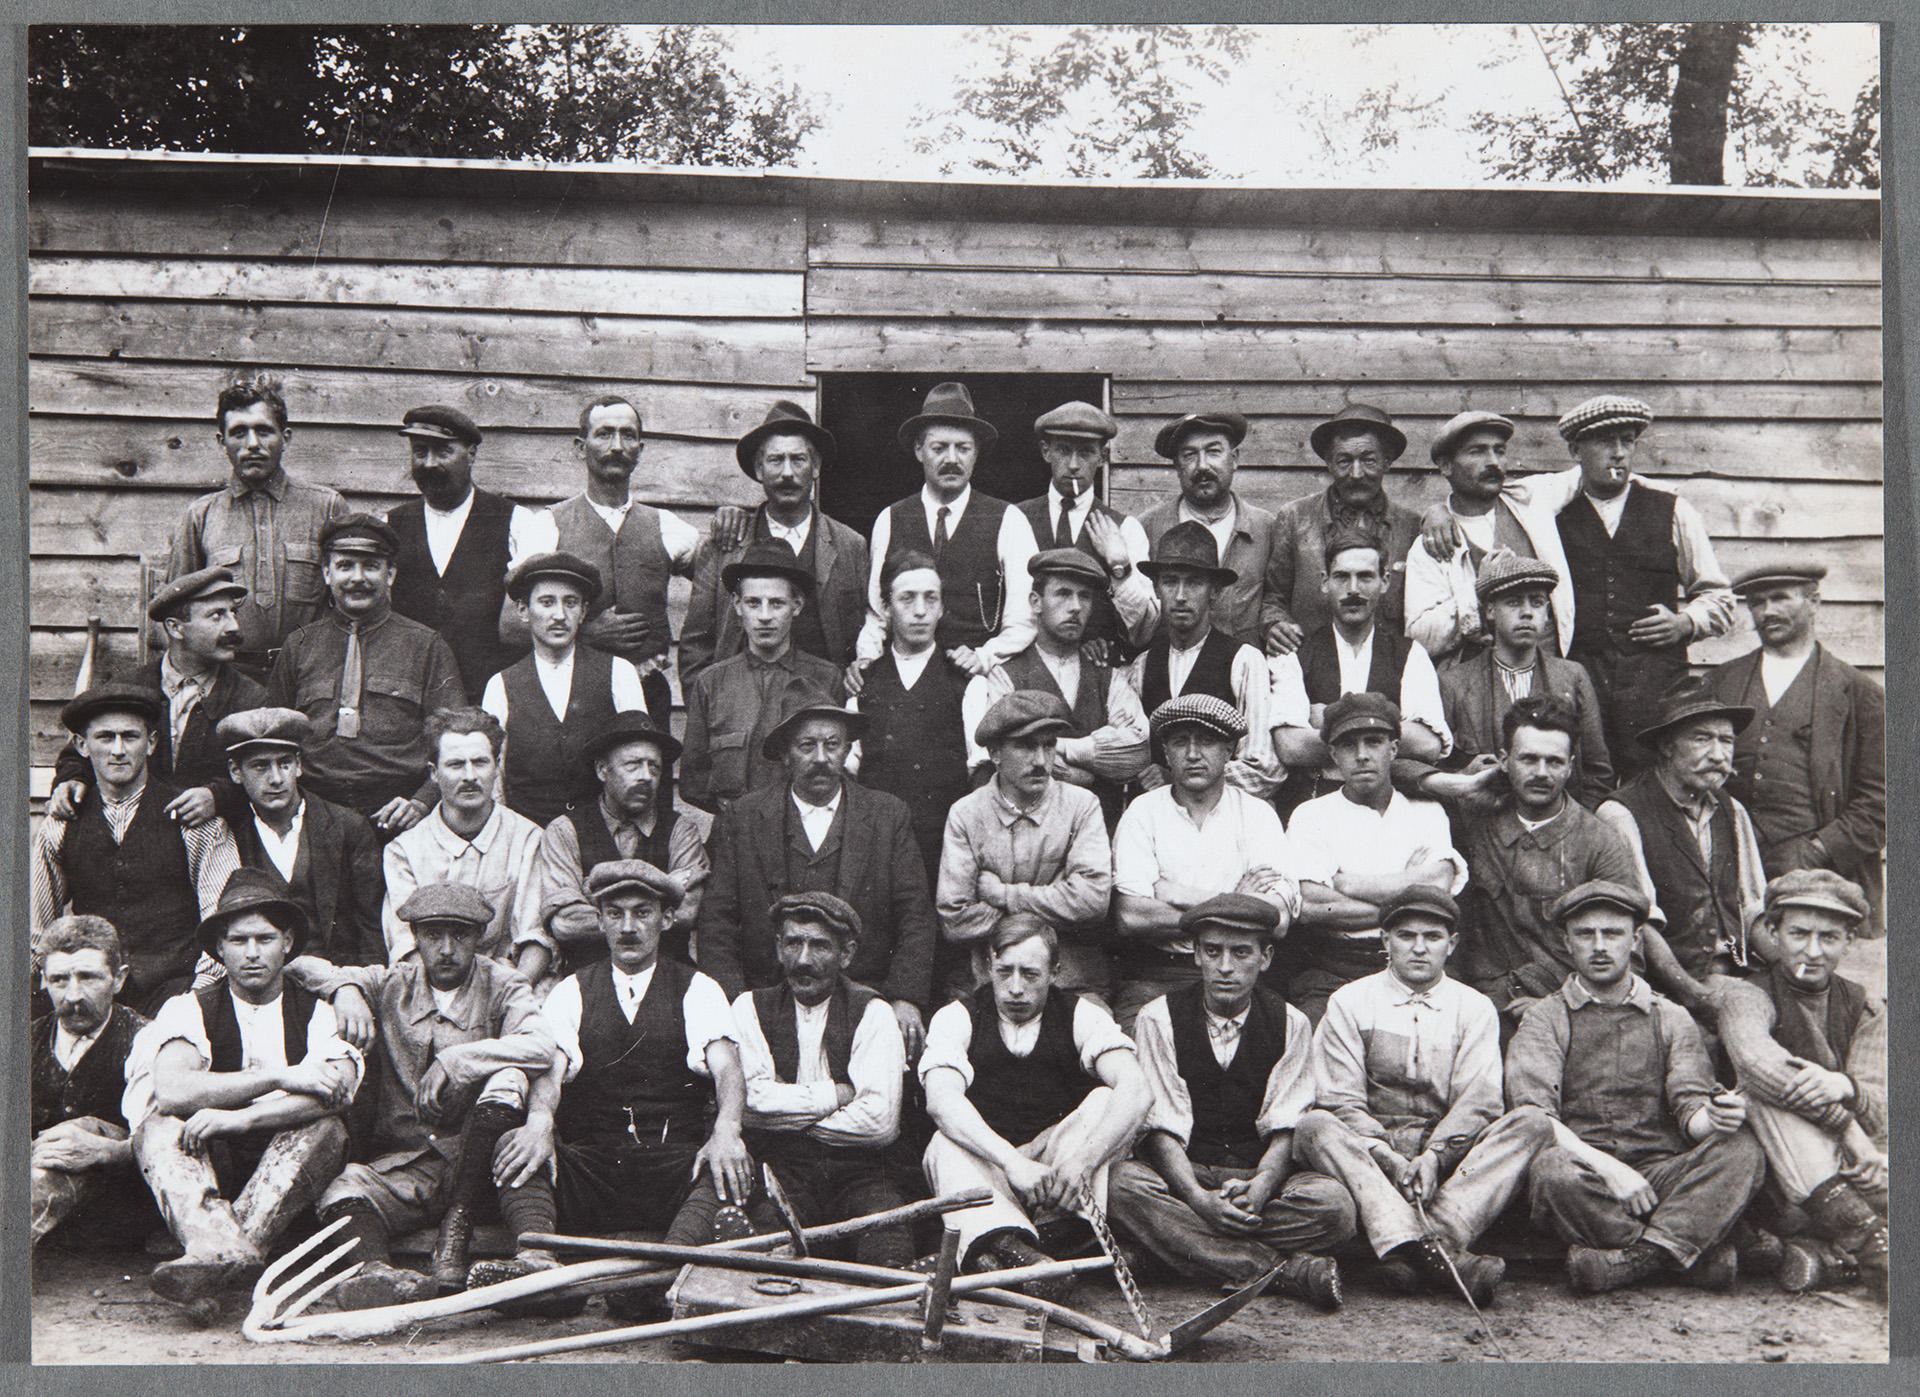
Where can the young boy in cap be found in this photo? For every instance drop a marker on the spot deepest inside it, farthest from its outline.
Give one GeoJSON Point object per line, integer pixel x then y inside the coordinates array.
{"type": "Point", "coordinates": [1406, 1067]}
{"type": "Point", "coordinates": [460, 1035]}
{"type": "Point", "coordinates": [233, 1091]}
{"type": "Point", "coordinates": [552, 701]}
{"type": "Point", "coordinates": [1213, 1192]}
{"type": "Point", "coordinates": [1651, 1166]}
{"type": "Point", "coordinates": [1810, 1047]}
{"type": "Point", "coordinates": [732, 705]}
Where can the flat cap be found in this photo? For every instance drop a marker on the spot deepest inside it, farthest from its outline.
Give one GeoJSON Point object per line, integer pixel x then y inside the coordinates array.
{"type": "Point", "coordinates": [576, 570]}
{"type": "Point", "coordinates": [1200, 710]}
{"type": "Point", "coordinates": [623, 875]}
{"type": "Point", "coordinates": [1420, 897]}
{"type": "Point", "coordinates": [771, 557]}
{"type": "Point", "coordinates": [285, 728]}
{"type": "Point", "coordinates": [446, 902]}
{"type": "Point", "coordinates": [1777, 574]}
{"type": "Point", "coordinates": [1235, 911]}
{"type": "Point", "coordinates": [1359, 417]}
{"type": "Point", "coordinates": [1602, 890]}
{"type": "Point", "coordinates": [1189, 544]}
{"type": "Point", "coordinates": [1067, 562]}
{"type": "Point", "coordinates": [1503, 570]}
{"type": "Point", "coordinates": [1607, 410]}
{"type": "Point", "coordinates": [1076, 419]}
{"type": "Point", "coordinates": [635, 725]}
{"type": "Point", "coordinates": [194, 586]}
{"type": "Point", "coordinates": [1024, 713]}
{"type": "Point", "coordinates": [1365, 711]}
{"type": "Point", "coordinates": [359, 533]}
{"type": "Point", "coordinates": [783, 419]}
{"type": "Point", "coordinates": [111, 697]}
{"type": "Point", "coordinates": [798, 702]}
{"type": "Point", "coordinates": [441, 423]}
{"type": "Point", "coordinates": [818, 907]}
{"type": "Point", "coordinates": [1455, 429]}
{"type": "Point", "coordinates": [1818, 887]}
{"type": "Point", "coordinates": [1166, 441]}
{"type": "Point", "coordinates": [253, 890]}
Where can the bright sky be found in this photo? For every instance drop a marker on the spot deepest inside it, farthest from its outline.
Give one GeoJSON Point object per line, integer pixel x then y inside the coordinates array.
{"type": "Point", "coordinates": [1284, 118]}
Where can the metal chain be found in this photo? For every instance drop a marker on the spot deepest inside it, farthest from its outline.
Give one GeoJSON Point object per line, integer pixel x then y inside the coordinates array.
{"type": "Point", "coordinates": [1121, 1271]}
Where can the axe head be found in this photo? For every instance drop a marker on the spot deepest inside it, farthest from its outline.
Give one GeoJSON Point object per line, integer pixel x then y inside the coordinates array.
{"type": "Point", "coordinates": [778, 1195]}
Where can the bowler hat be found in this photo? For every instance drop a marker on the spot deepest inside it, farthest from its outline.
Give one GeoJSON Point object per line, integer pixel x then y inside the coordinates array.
{"type": "Point", "coordinates": [1364, 711]}
{"type": "Point", "coordinates": [446, 902]}
{"type": "Point", "coordinates": [1067, 562]}
{"type": "Point", "coordinates": [800, 701]}
{"type": "Point", "coordinates": [619, 875]}
{"type": "Point", "coordinates": [194, 586]}
{"type": "Point", "coordinates": [635, 725]}
{"type": "Point", "coordinates": [784, 419]}
{"type": "Point", "coordinates": [440, 423]}
{"type": "Point", "coordinates": [1455, 429]}
{"type": "Point", "coordinates": [952, 404]}
{"type": "Point", "coordinates": [1189, 544]}
{"type": "Point", "coordinates": [1076, 419]}
{"type": "Point", "coordinates": [253, 890]}
{"type": "Point", "coordinates": [1689, 700]}
{"type": "Point", "coordinates": [1598, 890]}
{"type": "Point", "coordinates": [1166, 441]}
{"type": "Point", "coordinates": [1024, 713]}
{"type": "Point", "coordinates": [1420, 897]}
{"type": "Point", "coordinates": [359, 533]}
{"type": "Point", "coordinates": [111, 697]}
{"type": "Point", "coordinates": [1818, 887]}
{"type": "Point", "coordinates": [1359, 417]}
{"type": "Point", "coordinates": [768, 558]}
{"type": "Point", "coordinates": [1237, 911]}
{"type": "Point", "coordinates": [285, 729]}
{"type": "Point", "coordinates": [576, 570]}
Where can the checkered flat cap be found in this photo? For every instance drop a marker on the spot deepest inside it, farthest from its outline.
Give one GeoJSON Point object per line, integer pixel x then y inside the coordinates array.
{"type": "Point", "coordinates": [1202, 709]}
{"type": "Point", "coordinates": [1504, 570]}
{"type": "Point", "coordinates": [1607, 410]}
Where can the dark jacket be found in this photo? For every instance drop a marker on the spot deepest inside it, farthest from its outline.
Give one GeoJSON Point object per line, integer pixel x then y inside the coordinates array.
{"type": "Point", "coordinates": [201, 760]}
{"type": "Point", "coordinates": [1475, 703]}
{"type": "Point", "coordinates": [340, 888]}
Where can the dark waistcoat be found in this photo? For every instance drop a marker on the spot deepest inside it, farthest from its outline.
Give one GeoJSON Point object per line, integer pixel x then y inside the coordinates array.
{"type": "Point", "coordinates": [98, 1080]}
{"type": "Point", "coordinates": [1702, 904]}
{"type": "Point", "coordinates": [811, 870]}
{"type": "Point", "coordinates": [547, 770]}
{"type": "Point", "coordinates": [223, 1025]}
{"type": "Point", "coordinates": [639, 1067]}
{"type": "Point", "coordinates": [1846, 1002]}
{"type": "Point", "coordinates": [597, 847]}
{"type": "Point", "coordinates": [1227, 1100]}
{"type": "Point", "coordinates": [1028, 671]}
{"type": "Point", "coordinates": [914, 746]}
{"type": "Point", "coordinates": [1105, 623]}
{"type": "Point", "coordinates": [1021, 1096]}
{"type": "Point", "coordinates": [463, 603]}
{"type": "Point", "coordinates": [969, 566]}
{"type": "Point", "coordinates": [634, 564]}
{"type": "Point", "coordinates": [1212, 671]}
{"type": "Point", "coordinates": [142, 885]}
{"type": "Point", "coordinates": [773, 1004]}
{"type": "Point", "coordinates": [1772, 766]}
{"type": "Point", "coordinates": [1615, 579]}
{"type": "Point", "coordinates": [1320, 665]}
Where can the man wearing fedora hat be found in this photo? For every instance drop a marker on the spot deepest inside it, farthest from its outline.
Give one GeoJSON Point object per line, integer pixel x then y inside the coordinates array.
{"type": "Point", "coordinates": [733, 704]}
{"type": "Point", "coordinates": [122, 857]}
{"type": "Point", "coordinates": [785, 455]}
{"type": "Point", "coordinates": [234, 1092]}
{"type": "Point", "coordinates": [450, 567]}
{"type": "Point", "coordinates": [1359, 444]}
{"type": "Point", "coordinates": [979, 544]}
{"type": "Point", "coordinates": [551, 701]}
{"type": "Point", "coordinates": [817, 830]}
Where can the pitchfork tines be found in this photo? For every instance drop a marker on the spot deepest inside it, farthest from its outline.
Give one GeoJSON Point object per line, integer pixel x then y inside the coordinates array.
{"type": "Point", "coordinates": [275, 1305]}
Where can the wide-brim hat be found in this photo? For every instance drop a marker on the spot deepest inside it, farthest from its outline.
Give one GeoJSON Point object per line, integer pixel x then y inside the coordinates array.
{"type": "Point", "coordinates": [799, 702]}
{"type": "Point", "coordinates": [1359, 417]}
{"type": "Point", "coordinates": [1166, 442]}
{"type": "Point", "coordinates": [565, 565]}
{"type": "Point", "coordinates": [252, 890]}
{"type": "Point", "coordinates": [1189, 545]}
{"type": "Point", "coordinates": [111, 698]}
{"type": "Point", "coordinates": [635, 725]}
{"type": "Point", "coordinates": [1686, 702]}
{"type": "Point", "coordinates": [1455, 430]}
{"type": "Point", "coordinates": [772, 557]}
{"type": "Point", "coordinates": [192, 587]}
{"type": "Point", "coordinates": [950, 403]}
{"type": "Point", "coordinates": [784, 419]}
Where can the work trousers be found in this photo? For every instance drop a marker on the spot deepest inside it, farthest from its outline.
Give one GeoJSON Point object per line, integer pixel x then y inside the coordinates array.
{"type": "Point", "coordinates": [1702, 1194]}
{"type": "Point", "coordinates": [833, 1189]}
{"type": "Point", "coordinates": [56, 1193]}
{"type": "Point", "coordinates": [1309, 1213]}
{"type": "Point", "coordinates": [611, 1184]}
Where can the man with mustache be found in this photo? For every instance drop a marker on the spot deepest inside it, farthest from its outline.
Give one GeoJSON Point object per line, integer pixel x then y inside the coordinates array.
{"type": "Point", "coordinates": [366, 678]}
{"type": "Point", "coordinates": [1359, 445]}
{"type": "Point", "coordinates": [77, 1055]}
{"type": "Point", "coordinates": [264, 525]}
{"type": "Point", "coordinates": [451, 567]}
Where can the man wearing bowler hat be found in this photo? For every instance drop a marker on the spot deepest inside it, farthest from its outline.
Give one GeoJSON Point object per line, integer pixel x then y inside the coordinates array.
{"type": "Point", "coordinates": [785, 455]}
{"type": "Point", "coordinates": [124, 857]}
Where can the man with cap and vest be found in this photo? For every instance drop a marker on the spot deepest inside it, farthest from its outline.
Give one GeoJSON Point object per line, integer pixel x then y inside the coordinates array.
{"type": "Point", "coordinates": [1357, 850]}
{"type": "Point", "coordinates": [630, 757]}
{"type": "Point", "coordinates": [785, 455]}
{"type": "Point", "coordinates": [1205, 450]}
{"type": "Point", "coordinates": [460, 1036]}
{"type": "Point", "coordinates": [817, 830]}
{"type": "Point", "coordinates": [1213, 1192]}
{"type": "Point", "coordinates": [552, 701]}
{"type": "Point", "coordinates": [201, 685]}
{"type": "Point", "coordinates": [825, 1068]}
{"type": "Point", "coordinates": [263, 525]}
{"type": "Point", "coordinates": [1026, 842]}
{"type": "Point", "coordinates": [1810, 1048]}
{"type": "Point", "coordinates": [1035, 1093]}
{"type": "Point", "coordinates": [450, 565]}
{"type": "Point", "coordinates": [1651, 1165]}
{"type": "Point", "coordinates": [233, 1092]}
{"type": "Point", "coordinates": [1352, 653]}
{"type": "Point", "coordinates": [1194, 654]}
{"type": "Point", "coordinates": [1485, 513]}
{"type": "Point", "coordinates": [1108, 746]}
{"type": "Point", "coordinates": [1182, 844]}
{"type": "Point", "coordinates": [123, 857]}
{"type": "Point", "coordinates": [327, 856]}
{"type": "Point", "coordinates": [980, 545]}
{"type": "Point", "coordinates": [732, 705]}
{"type": "Point", "coordinates": [366, 678]}
{"type": "Point", "coordinates": [1359, 445]}
{"type": "Point", "coordinates": [1075, 439]}
{"type": "Point", "coordinates": [1812, 766]}
{"type": "Point", "coordinates": [1695, 846]}
{"type": "Point", "coordinates": [1406, 1067]}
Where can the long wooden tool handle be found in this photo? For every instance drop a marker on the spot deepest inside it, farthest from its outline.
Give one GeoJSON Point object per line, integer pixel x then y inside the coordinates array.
{"type": "Point", "coordinates": [89, 653]}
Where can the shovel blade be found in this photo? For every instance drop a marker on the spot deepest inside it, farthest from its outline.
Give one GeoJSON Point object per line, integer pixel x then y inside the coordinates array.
{"type": "Point", "coordinates": [1188, 1332]}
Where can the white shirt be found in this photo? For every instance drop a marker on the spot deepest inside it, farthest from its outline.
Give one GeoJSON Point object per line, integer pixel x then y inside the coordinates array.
{"type": "Point", "coordinates": [284, 851]}
{"type": "Point", "coordinates": [875, 1070]}
{"type": "Point", "coordinates": [556, 682]}
{"type": "Point", "coordinates": [183, 696]}
{"type": "Point", "coordinates": [1013, 547]}
{"type": "Point", "coordinates": [794, 537]}
{"type": "Point", "coordinates": [704, 1007]}
{"type": "Point", "coordinates": [1159, 851]}
{"type": "Point", "coordinates": [1333, 835]}
{"type": "Point", "coordinates": [68, 1050]}
{"type": "Point", "coordinates": [950, 1033]}
{"type": "Point", "coordinates": [1221, 528]}
{"type": "Point", "coordinates": [532, 531]}
{"type": "Point", "coordinates": [1133, 595]}
{"type": "Point", "coordinates": [816, 820]}
{"type": "Point", "coordinates": [911, 667]}
{"type": "Point", "coordinates": [1254, 767]}
{"type": "Point", "coordinates": [1777, 672]}
{"type": "Point", "coordinates": [1289, 1092]}
{"type": "Point", "coordinates": [443, 530]}
{"type": "Point", "coordinates": [1419, 697]}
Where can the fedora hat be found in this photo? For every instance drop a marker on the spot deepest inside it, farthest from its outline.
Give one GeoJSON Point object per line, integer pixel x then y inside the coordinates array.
{"type": "Point", "coordinates": [252, 890]}
{"type": "Point", "coordinates": [1686, 701]}
{"type": "Point", "coordinates": [1189, 545]}
{"type": "Point", "coordinates": [1359, 417]}
{"type": "Point", "coordinates": [783, 419]}
{"type": "Point", "coordinates": [799, 702]}
{"type": "Point", "coordinates": [950, 403]}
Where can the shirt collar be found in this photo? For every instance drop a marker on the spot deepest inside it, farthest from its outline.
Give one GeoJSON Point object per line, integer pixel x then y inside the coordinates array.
{"type": "Point", "coordinates": [1081, 503]}
{"type": "Point", "coordinates": [171, 678]}
{"type": "Point", "coordinates": [72, 1048]}
{"type": "Point", "coordinates": [615, 818]}
{"type": "Point", "coordinates": [459, 511]}
{"type": "Point", "coordinates": [454, 844]}
{"type": "Point", "coordinates": [1639, 993]}
{"type": "Point", "coordinates": [274, 486]}
{"type": "Point", "coordinates": [830, 807]}
{"type": "Point", "coordinates": [636, 983]}
{"type": "Point", "coordinates": [366, 627]}
{"type": "Point", "coordinates": [1010, 814]}
{"type": "Point", "coordinates": [461, 1010]}
{"type": "Point", "coordinates": [1399, 992]}
{"type": "Point", "coordinates": [1359, 647]}
{"type": "Point", "coordinates": [1186, 515]}
{"type": "Point", "coordinates": [1694, 808]}
{"type": "Point", "coordinates": [1507, 829]}
{"type": "Point", "coordinates": [1378, 508]}
{"type": "Point", "coordinates": [955, 507]}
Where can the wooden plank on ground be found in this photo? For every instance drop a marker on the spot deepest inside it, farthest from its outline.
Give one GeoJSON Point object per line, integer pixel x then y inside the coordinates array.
{"type": "Point", "coordinates": [1765, 401]}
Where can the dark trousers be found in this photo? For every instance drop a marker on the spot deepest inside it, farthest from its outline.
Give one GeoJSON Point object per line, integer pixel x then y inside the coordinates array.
{"type": "Point", "coordinates": [848, 1184]}
{"type": "Point", "coordinates": [610, 1184]}
{"type": "Point", "coordinates": [1702, 1194]}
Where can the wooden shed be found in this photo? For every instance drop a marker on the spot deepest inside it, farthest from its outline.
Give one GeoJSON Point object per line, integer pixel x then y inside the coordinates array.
{"type": "Point", "coordinates": [1751, 322]}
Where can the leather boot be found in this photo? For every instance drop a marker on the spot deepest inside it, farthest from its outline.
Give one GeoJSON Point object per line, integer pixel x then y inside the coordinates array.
{"type": "Point", "coordinates": [1841, 1214]}
{"type": "Point", "coordinates": [1481, 1275]}
{"type": "Point", "coordinates": [1314, 1279]}
{"type": "Point", "coordinates": [1716, 1268]}
{"type": "Point", "coordinates": [218, 1253]}
{"type": "Point", "coordinates": [1008, 1250]}
{"type": "Point", "coordinates": [1808, 1263]}
{"type": "Point", "coordinates": [1594, 1269]}
{"type": "Point", "coordinates": [525, 1263]}
{"type": "Point", "coordinates": [472, 1174]}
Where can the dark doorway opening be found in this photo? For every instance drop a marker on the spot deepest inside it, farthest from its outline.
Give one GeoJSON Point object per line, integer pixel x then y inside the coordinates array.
{"type": "Point", "coordinates": [865, 410]}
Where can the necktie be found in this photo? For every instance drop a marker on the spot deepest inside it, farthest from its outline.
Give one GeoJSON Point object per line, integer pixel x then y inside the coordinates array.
{"type": "Point", "coordinates": [1063, 535]}
{"type": "Point", "coordinates": [940, 531]}
{"type": "Point", "coordinates": [349, 724]}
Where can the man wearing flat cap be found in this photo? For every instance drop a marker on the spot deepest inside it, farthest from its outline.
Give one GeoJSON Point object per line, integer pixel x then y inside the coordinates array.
{"type": "Point", "coordinates": [1075, 439]}
{"type": "Point", "coordinates": [1025, 842]}
{"type": "Point", "coordinates": [123, 857]}
{"type": "Point", "coordinates": [1359, 444]}
{"type": "Point", "coordinates": [327, 856]}
{"type": "Point", "coordinates": [979, 544]}
{"type": "Point", "coordinates": [1651, 1164]}
{"type": "Point", "coordinates": [460, 1036]}
{"type": "Point", "coordinates": [1812, 766]}
{"type": "Point", "coordinates": [1181, 844]}
{"type": "Point", "coordinates": [817, 830]}
{"type": "Point", "coordinates": [1213, 1192]}
{"type": "Point", "coordinates": [825, 1069]}
{"type": "Point", "coordinates": [1205, 450]}
{"type": "Point", "coordinates": [785, 455]}
{"type": "Point", "coordinates": [1810, 1048]}
{"type": "Point", "coordinates": [450, 564]}
{"type": "Point", "coordinates": [234, 1092]}
{"type": "Point", "coordinates": [366, 678]}
{"type": "Point", "coordinates": [263, 525]}
{"type": "Point", "coordinates": [551, 702]}
{"type": "Point", "coordinates": [1108, 746]}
